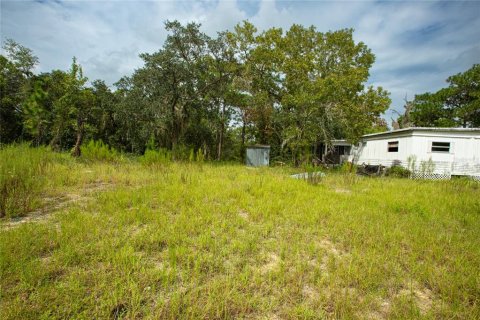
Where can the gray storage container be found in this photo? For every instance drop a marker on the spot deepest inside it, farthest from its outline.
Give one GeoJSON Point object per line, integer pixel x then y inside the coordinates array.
{"type": "Point", "coordinates": [258, 155]}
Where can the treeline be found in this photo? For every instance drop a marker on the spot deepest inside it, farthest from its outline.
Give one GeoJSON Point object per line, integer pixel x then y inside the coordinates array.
{"type": "Point", "coordinates": [289, 89]}
{"type": "Point", "coordinates": [457, 105]}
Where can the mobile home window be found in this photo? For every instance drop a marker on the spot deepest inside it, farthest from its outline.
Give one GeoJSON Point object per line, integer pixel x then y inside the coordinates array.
{"type": "Point", "coordinates": [393, 146]}
{"type": "Point", "coordinates": [440, 146]}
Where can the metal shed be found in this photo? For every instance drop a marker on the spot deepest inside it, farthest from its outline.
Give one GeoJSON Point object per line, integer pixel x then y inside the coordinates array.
{"type": "Point", "coordinates": [258, 155]}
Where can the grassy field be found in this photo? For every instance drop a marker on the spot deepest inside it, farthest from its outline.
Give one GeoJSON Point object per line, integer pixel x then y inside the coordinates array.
{"type": "Point", "coordinates": [202, 241]}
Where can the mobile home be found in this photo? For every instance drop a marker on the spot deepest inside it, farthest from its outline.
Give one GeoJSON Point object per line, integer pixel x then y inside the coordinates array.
{"type": "Point", "coordinates": [444, 152]}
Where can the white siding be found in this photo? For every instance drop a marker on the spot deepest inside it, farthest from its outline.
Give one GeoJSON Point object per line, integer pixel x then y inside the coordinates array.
{"type": "Point", "coordinates": [462, 159]}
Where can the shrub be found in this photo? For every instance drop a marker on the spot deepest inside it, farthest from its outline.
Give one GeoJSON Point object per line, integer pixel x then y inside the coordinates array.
{"type": "Point", "coordinates": [181, 153]}
{"type": "Point", "coordinates": [156, 157]}
{"type": "Point", "coordinates": [313, 175]}
{"type": "Point", "coordinates": [22, 175]}
{"type": "Point", "coordinates": [348, 167]}
{"type": "Point", "coordinates": [427, 167]}
{"type": "Point", "coordinates": [398, 172]}
{"type": "Point", "coordinates": [98, 151]}
{"type": "Point", "coordinates": [412, 163]}
{"type": "Point", "coordinates": [200, 156]}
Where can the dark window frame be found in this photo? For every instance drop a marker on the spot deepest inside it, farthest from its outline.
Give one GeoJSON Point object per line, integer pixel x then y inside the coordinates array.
{"type": "Point", "coordinates": [440, 146]}
{"type": "Point", "coordinates": [392, 146]}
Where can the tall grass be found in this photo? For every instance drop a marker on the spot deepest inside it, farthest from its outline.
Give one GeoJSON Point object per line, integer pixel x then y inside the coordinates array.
{"type": "Point", "coordinates": [156, 157]}
{"type": "Point", "coordinates": [98, 151]}
{"type": "Point", "coordinates": [22, 175]}
{"type": "Point", "coordinates": [229, 242]}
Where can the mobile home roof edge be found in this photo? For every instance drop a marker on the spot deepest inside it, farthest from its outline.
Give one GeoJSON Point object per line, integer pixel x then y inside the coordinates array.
{"type": "Point", "coordinates": [412, 129]}
{"type": "Point", "coordinates": [258, 146]}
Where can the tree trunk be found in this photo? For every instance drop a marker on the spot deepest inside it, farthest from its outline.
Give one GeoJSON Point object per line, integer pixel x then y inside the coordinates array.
{"type": "Point", "coordinates": [55, 140]}
{"type": "Point", "coordinates": [76, 152]}
{"type": "Point", "coordinates": [242, 147]}
{"type": "Point", "coordinates": [325, 151]}
{"type": "Point", "coordinates": [220, 137]}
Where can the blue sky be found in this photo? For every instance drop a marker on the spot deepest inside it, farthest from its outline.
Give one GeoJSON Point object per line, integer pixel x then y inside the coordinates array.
{"type": "Point", "coordinates": [417, 44]}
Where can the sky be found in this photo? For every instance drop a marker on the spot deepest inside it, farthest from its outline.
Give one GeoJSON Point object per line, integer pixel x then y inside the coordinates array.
{"type": "Point", "coordinates": [417, 44]}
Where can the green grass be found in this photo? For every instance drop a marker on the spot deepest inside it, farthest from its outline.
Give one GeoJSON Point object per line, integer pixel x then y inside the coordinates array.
{"type": "Point", "coordinates": [22, 177]}
{"type": "Point", "coordinates": [176, 241]}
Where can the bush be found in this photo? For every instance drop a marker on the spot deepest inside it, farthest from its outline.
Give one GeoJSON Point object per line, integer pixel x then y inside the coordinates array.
{"type": "Point", "coordinates": [200, 156]}
{"type": "Point", "coordinates": [22, 175]}
{"type": "Point", "coordinates": [313, 174]}
{"type": "Point", "coordinates": [348, 167]}
{"type": "Point", "coordinates": [156, 157]}
{"type": "Point", "coordinates": [98, 151]}
{"type": "Point", "coordinates": [398, 172]}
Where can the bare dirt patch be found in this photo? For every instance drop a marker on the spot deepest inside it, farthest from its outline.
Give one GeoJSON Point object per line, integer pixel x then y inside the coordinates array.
{"type": "Point", "coordinates": [331, 248]}
{"type": "Point", "coordinates": [243, 214]}
{"type": "Point", "coordinates": [310, 292]}
{"type": "Point", "coordinates": [272, 264]}
{"type": "Point", "coordinates": [423, 297]}
{"type": "Point", "coordinates": [341, 190]}
{"type": "Point", "coordinates": [56, 203]}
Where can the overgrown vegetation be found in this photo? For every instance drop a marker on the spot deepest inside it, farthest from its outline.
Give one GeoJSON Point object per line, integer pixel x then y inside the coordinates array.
{"type": "Point", "coordinates": [453, 106]}
{"type": "Point", "coordinates": [22, 176]}
{"type": "Point", "coordinates": [290, 89]}
{"type": "Point", "coordinates": [98, 151]}
{"type": "Point", "coordinates": [398, 172]}
{"type": "Point", "coordinates": [122, 240]}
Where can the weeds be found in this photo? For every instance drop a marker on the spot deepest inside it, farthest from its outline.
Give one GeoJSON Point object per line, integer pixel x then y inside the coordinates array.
{"type": "Point", "coordinates": [22, 171]}
{"type": "Point", "coordinates": [98, 151]}
{"type": "Point", "coordinates": [230, 242]}
{"type": "Point", "coordinates": [398, 172]}
{"type": "Point", "coordinates": [158, 157]}
{"type": "Point", "coordinates": [313, 174]}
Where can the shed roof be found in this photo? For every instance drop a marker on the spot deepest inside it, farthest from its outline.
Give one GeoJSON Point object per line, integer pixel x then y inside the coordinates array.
{"type": "Point", "coordinates": [258, 146]}
{"type": "Point", "coordinates": [428, 129]}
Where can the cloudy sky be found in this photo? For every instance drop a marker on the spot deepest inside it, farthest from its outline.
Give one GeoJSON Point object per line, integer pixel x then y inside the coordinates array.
{"type": "Point", "coordinates": [417, 44]}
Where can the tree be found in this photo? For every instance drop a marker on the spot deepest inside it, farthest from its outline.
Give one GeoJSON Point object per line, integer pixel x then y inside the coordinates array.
{"type": "Point", "coordinates": [103, 125]}
{"type": "Point", "coordinates": [291, 90]}
{"type": "Point", "coordinates": [16, 68]}
{"type": "Point", "coordinates": [71, 109]}
{"type": "Point", "coordinates": [22, 57]}
{"type": "Point", "coordinates": [35, 113]}
{"type": "Point", "coordinates": [463, 96]}
{"type": "Point", "coordinates": [430, 110]}
{"type": "Point", "coordinates": [456, 105]}
{"type": "Point", "coordinates": [323, 94]}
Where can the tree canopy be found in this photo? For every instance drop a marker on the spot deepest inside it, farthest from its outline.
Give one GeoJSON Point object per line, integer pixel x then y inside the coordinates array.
{"type": "Point", "coordinates": [290, 89]}
{"type": "Point", "coordinates": [456, 105]}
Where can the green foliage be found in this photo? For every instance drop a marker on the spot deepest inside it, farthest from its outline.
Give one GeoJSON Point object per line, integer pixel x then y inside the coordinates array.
{"type": "Point", "coordinates": [15, 74]}
{"type": "Point", "coordinates": [200, 157]}
{"type": "Point", "coordinates": [151, 143]}
{"type": "Point", "coordinates": [156, 157]}
{"type": "Point", "coordinates": [181, 153]}
{"type": "Point", "coordinates": [229, 242]}
{"type": "Point", "coordinates": [22, 176]}
{"type": "Point", "coordinates": [398, 172]}
{"type": "Point", "coordinates": [412, 163]}
{"type": "Point", "coordinates": [35, 114]}
{"type": "Point", "coordinates": [428, 110]}
{"type": "Point", "coordinates": [98, 151]}
{"type": "Point", "coordinates": [191, 157]}
{"type": "Point", "coordinates": [427, 167]}
{"type": "Point", "coordinates": [22, 57]}
{"type": "Point", "coordinates": [314, 174]}
{"type": "Point", "coordinates": [286, 88]}
{"type": "Point", "coordinates": [348, 167]}
{"type": "Point", "coordinates": [456, 105]}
